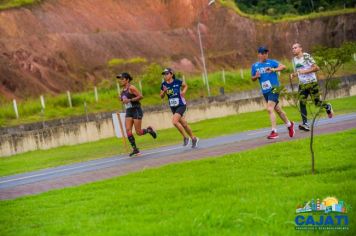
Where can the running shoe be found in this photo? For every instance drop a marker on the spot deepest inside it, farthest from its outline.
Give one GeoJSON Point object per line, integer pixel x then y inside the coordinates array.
{"type": "Point", "coordinates": [186, 142]}
{"type": "Point", "coordinates": [291, 129]}
{"type": "Point", "coordinates": [151, 131]}
{"type": "Point", "coordinates": [195, 142]}
{"type": "Point", "coordinates": [304, 127]}
{"type": "Point", "coordinates": [135, 152]}
{"type": "Point", "coordinates": [329, 110]}
{"type": "Point", "coordinates": [273, 135]}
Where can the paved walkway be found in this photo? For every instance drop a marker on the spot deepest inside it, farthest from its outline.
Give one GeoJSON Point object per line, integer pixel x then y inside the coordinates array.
{"type": "Point", "coordinates": [76, 174]}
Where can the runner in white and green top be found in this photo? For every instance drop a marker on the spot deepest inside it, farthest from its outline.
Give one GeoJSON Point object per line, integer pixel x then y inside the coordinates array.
{"type": "Point", "coordinates": [305, 62]}
{"type": "Point", "coordinates": [305, 68]}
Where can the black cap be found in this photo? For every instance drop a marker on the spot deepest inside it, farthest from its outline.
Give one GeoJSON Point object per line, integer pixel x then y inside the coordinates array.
{"type": "Point", "coordinates": [167, 70]}
{"type": "Point", "coordinates": [262, 49]}
{"type": "Point", "coordinates": [124, 75]}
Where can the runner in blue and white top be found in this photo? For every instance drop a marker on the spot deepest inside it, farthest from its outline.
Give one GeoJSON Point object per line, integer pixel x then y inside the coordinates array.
{"type": "Point", "coordinates": [175, 90]}
{"type": "Point", "coordinates": [267, 80]}
{"type": "Point", "coordinates": [265, 71]}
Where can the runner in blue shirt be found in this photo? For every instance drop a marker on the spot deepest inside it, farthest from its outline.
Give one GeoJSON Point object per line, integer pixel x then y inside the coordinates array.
{"type": "Point", "coordinates": [265, 71]}
{"type": "Point", "coordinates": [175, 90]}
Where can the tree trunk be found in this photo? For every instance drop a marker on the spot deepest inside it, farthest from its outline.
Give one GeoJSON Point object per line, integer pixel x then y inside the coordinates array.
{"type": "Point", "coordinates": [311, 145]}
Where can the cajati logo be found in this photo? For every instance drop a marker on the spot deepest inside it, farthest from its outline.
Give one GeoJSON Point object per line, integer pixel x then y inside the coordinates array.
{"type": "Point", "coordinates": [327, 214]}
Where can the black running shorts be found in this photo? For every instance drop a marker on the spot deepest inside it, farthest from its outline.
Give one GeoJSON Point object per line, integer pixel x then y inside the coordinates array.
{"type": "Point", "coordinates": [179, 109]}
{"type": "Point", "coordinates": [135, 113]}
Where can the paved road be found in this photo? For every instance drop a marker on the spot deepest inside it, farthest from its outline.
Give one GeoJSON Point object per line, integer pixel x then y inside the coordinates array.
{"type": "Point", "coordinates": [76, 174]}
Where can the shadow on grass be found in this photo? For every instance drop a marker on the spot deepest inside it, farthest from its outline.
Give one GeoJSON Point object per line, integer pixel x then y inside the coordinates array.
{"type": "Point", "coordinates": [322, 171]}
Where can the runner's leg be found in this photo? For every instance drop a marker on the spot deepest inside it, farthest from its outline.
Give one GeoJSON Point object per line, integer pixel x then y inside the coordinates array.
{"type": "Point", "coordinates": [175, 120]}
{"type": "Point", "coordinates": [186, 127]}
{"type": "Point", "coordinates": [303, 95]}
{"type": "Point", "coordinates": [272, 116]}
{"type": "Point", "coordinates": [137, 124]}
{"type": "Point", "coordinates": [128, 124]}
{"type": "Point", "coordinates": [281, 114]}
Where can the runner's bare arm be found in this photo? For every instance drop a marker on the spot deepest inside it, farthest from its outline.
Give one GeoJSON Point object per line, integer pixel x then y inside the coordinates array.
{"type": "Point", "coordinates": [294, 74]}
{"type": "Point", "coordinates": [279, 68]}
{"type": "Point", "coordinates": [185, 88]}
{"type": "Point", "coordinates": [138, 95]}
{"type": "Point", "coordinates": [163, 92]}
{"type": "Point", "coordinates": [314, 68]}
{"type": "Point", "coordinates": [256, 76]}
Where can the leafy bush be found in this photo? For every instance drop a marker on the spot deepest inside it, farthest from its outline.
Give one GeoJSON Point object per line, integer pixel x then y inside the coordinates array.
{"type": "Point", "coordinates": [121, 61]}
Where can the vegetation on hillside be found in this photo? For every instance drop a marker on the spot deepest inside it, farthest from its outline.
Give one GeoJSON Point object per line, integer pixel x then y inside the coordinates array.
{"type": "Point", "coordinates": [6, 4]}
{"type": "Point", "coordinates": [296, 7]}
{"type": "Point", "coordinates": [275, 18]}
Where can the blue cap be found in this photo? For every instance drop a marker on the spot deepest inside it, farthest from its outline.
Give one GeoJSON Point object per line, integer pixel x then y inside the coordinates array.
{"type": "Point", "coordinates": [262, 49]}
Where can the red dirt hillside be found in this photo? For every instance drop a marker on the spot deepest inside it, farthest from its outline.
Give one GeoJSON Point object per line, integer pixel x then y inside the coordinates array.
{"type": "Point", "coordinates": [65, 44]}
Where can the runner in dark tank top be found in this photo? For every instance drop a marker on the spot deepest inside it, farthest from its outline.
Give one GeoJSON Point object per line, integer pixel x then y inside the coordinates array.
{"type": "Point", "coordinates": [131, 97]}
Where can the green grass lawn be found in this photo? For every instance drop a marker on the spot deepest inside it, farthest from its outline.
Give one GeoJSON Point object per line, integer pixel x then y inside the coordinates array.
{"type": "Point", "coordinates": [249, 193]}
{"type": "Point", "coordinates": [40, 159]}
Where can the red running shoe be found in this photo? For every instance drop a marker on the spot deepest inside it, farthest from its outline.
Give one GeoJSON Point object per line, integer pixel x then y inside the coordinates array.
{"type": "Point", "coordinates": [291, 129]}
{"type": "Point", "coordinates": [273, 135]}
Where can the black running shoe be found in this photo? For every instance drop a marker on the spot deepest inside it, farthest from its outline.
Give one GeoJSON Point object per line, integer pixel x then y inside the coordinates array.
{"type": "Point", "coordinates": [186, 142]}
{"type": "Point", "coordinates": [152, 132]}
{"type": "Point", "coordinates": [329, 110]}
{"type": "Point", "coordinates": [304, 127]}
{"type": "Point", "coordinates": [195, 142]}
{"type": "Point", "coordinates": [135, 152]}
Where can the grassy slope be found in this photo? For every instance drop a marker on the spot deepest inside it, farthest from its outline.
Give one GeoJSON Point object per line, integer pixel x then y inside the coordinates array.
{"type": "Point", "coordinates": [249, 193]}
{"type": "Point", "coordinates": [204, 129]}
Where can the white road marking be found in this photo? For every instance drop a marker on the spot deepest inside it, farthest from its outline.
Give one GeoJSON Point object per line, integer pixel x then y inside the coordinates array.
{"type": "Point", "coordinates": [83, 166]}
{"type": "Point", "coordinates": [259, 132]}
{"type": "Point", "coordinates": [62, 170]}
{"type": "Point", "coordinates": [165, 150]}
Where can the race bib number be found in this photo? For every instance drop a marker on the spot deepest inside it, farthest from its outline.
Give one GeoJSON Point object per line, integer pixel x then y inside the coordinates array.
{"type": "Point", "coordinates": [173, 102]}
{"type": "Point", "coordinates": [128, 105]}
{"type": "Point", "coordinates": [266, 85]}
